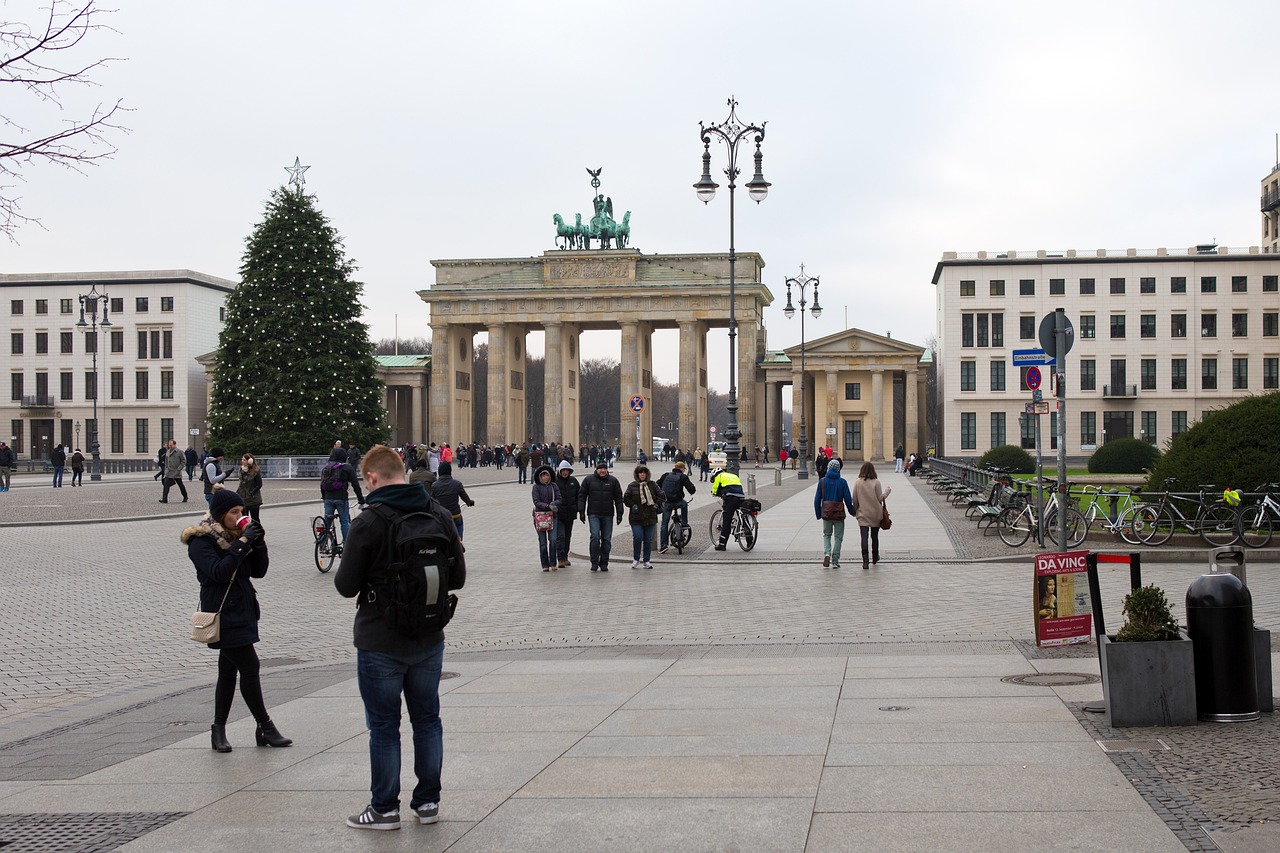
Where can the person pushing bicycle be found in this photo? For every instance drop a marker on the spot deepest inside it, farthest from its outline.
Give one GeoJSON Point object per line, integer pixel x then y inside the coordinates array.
{"type": "Point", "coordinates": [673, 485]}
{"type": "Point", "coordinates": [728, 487]}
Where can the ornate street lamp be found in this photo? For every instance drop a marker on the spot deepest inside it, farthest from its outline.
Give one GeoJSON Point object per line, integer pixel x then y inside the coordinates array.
{"type": "Point", "coordinates": [802, 281]}
{"type": "Point", "coordinates": [92, 301]}
{"type": "Point", "coordinates": [731, 132]}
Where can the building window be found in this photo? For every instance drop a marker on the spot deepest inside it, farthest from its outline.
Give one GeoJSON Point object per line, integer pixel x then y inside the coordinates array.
{"type": "Point", "coordinates": [1240, 324]}
{"type": "Point", "coordinates": [853, 435]}
{"type": "Point", "coordinates": [966, 330]}
{"type": "Point", "coordinates": [42, 343]}
{"type": "Point", "coordinates": [1178, 374]}
{"type": "Point", "coordinates": [1026, 287]}
{"type": "Point", "coordinates": [1208, 325]}
{"type": "Point", "coordinates": [1179, 424]}
{"type": "Point", "coordinates": [997, 429]}
{"type": "Point", "coordinates": [968, 431]}
{"type": "Point", "coordinates": [1088, 427]}
{"type": "Point", "coordinates": [1117, 325]}
{"type": "Point", "coordinates": [1088, 374]}
{"type": "Point", "coordinates": [140, 304]}
{"type": "Point", "coordinates": [1178, 284]}
{"type": "Point", "coordinates": [968, 288]}
{"type": "Point", "coordinates": [1053, 430]}
{"type": "Point", "coordinates": [15, 386]}
{"type": "Point", "coordinates": [90, 342]}
{"type": "Point", "coordinates": [1028, 431]}
{"type": "Point", "coordinates": [1208, 374]}
{"type": "Point", "coordinates": [117, 435]}
{"type": "Point", "coordinates": [67, 381]}
{"type": "Point", "coordinates": [166, 384]}
{"type": "Point", "coordinates": [1149, 427]}
{"type": "Point", "coordinates": [166, 303]}
{"type": "Point", "coordinates": [222, 313]}
{"type": "Point", "coordinates": [117, 385]}
{"type": "Point", "coordinates": [42, 306]}
{"type": "Point", "coordinates": [853, 390]}
{"type": "Point", "coordinates": [1057, 286]}
{"type": "Point", "coordinates": [1239, 284]}
{"type": "Point", "coordinates": [1117, 285]}
{"type": "Point", "coordinates": [1270, 324]}
{"type": "Point", "coordinates": [1086, 287]}
{"type": "Point", "coordinates": [1026, 328]}
{"type": "Point", "coordinates": [65, 341]}
{"type": "Point", "coordinates": [64, 306]}
{"type": "Point", "coordinates": [1178, 325]}
{"type": "Point", "coordinates": [117, 340]}
{"type": "Point", "coordinates": [142, 382]}
{"type": "Point", "coordinates": [142, 444]}
{"type": "Point", "coordinates": [167, 337]}
{"type": "Point", "coordinates": [117, 305]}
{"type": "Point", "coordinates": [997, 330]}
{"type": "Point", "coordinates": [166, 430]}
{"type": "Point", "coordinates": [1239, 374]}
{"type": "Point", "coordinates": [155, 343]}
{"type": "Point", "coordinates": [15, 343]}
{"type": "Point", "coordinates": [1271, 373]}
{"type": "Point", "coordinates": [1088, 327]}
{"type": "Point", "coordinates": [15, 307]}
{"type": "Point", "coordinates": [1208, 284]}
{"type": "Point", "coordinates": [984, 339]}
{"type": "Point", "coordinates": [90, 385]}
{"type": "Point", "coordinates": [1148, 374]}
{"type": "Point", "coordinates": [1147, 325]}
{"type": "Point", "coordinates": [1146, 285]}
{"type": "Point", "coordinates": [968, 376]}
{"type": "Point", "coordinates": [142, 343]}
{"type": "Point", "coordinates": [1269, 283]}
{"type": "Point", "coordinates": [997, 287]}
{"type": "Point", "coordinates": [997, 376]}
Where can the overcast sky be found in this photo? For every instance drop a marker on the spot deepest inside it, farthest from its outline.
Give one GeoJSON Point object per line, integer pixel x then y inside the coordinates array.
{"type": "Point", "coordinates": [896, 131]}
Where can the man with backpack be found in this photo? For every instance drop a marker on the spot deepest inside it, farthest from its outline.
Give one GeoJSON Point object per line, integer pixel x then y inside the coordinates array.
{"type": "Point", "coordinates": [402, 559]}
{"type": "Point", "coordinates": [334, 478]}
{"type": "Point", "coordinates": [211, 473]}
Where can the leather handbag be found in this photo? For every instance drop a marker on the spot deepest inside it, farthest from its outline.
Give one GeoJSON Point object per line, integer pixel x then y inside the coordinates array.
{"type": "Point", "coordinates": [833, 510]}
{"type": "Point", "coordinates": [543, 519]}
{"type": "Point", "coordinates": [885, 521]}
{"type": "Point", "coordinates": [207, 627]}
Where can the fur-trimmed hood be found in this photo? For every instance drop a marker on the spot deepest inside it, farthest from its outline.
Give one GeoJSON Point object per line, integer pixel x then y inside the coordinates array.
{"type": "Point", "coordinates": [208, 527]}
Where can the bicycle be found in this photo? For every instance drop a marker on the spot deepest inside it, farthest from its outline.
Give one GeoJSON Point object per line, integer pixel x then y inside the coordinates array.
{"type": "Point", "coordinates": [1119, 520]}
{"type": "Point", "coordinates": [744, 527]}
{"type": "Point", "coordinates": [327, 545]}
{"type": "Point", "coordinates": [1216, 523]}
{"type": "Point", "coordinates": [1255, 520]}
{"type": "Point", "coordinates": [678, 530]}
{"type": "Point", "coordinates": [1016, 523]}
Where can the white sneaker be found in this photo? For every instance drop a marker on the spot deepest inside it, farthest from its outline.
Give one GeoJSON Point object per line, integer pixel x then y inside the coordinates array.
{"type": "Point", "coordinates": [648, 565]}
{"type": "Point", "coordinates": [635, 564]}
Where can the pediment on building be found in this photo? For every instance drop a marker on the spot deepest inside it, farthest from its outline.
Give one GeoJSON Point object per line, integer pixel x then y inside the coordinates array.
{"type": "Point", "coordinates": [858, 343]}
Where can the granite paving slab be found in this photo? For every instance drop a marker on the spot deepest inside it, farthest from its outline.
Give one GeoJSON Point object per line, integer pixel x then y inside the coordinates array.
{"type": "Point", "coordinates": [678, 776]}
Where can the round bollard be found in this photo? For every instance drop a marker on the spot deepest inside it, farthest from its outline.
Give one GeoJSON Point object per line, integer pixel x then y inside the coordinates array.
{"type": "Point", "coordinates": [1220, 624]}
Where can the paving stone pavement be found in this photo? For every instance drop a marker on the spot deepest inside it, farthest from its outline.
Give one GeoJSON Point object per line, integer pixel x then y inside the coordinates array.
{"type": "Point", "coordinates": [740, 695]}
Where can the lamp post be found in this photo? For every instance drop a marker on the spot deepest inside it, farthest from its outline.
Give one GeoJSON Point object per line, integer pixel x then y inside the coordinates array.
{"type": "Point", "coordinates": [802, 281]}
{"type": "Point", "coordinates": [92, 301]}
{"type": "Point", "coordinates": [731, 132]}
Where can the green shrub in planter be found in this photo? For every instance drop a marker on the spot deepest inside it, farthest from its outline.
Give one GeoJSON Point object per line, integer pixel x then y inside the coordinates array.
{"type": "Point", "coordinates": [1124, 456]}
{"type": "Point", "coordinates": [1010, 457]}
{"type": "Point", "coordinates": [1149, 617]}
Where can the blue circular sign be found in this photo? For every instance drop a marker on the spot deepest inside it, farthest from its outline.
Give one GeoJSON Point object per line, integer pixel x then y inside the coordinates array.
{"type": "Point", "coordinates": [637, 404]}
{"type": "Point", "coordinates": [1033, 378]}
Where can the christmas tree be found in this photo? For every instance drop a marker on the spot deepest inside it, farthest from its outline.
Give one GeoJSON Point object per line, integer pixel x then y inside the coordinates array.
{"type": "Point", "coordinates": [295, 364]}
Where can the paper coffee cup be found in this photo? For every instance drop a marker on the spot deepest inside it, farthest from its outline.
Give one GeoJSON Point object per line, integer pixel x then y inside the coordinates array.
{"type": "Point", "coordinates": [244, 522]}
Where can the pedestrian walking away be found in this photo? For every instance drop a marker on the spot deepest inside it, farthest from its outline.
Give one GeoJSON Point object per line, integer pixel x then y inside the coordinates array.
{"type": "Point", "coordinates": [174, 462]}
{"type": "Point", "coordinates": [568, 512]}
{"type": "Point", "coordinates": [211, 474]}
{"type": "Point", "coordinates": [77, 468]}
{"type": "Point", "coordinates": [336, 475]}
{"type": "Point", "coordinates": [644, 499]}
{"type": "Point", "coordinates": [227, 559]}
{"type": "Point", "coordinates": [7, 460]}
{"type": "Point", "coordinates": [600, 507]}
{"type": "Point", "coordinates": [832, 502]}
{"type": "Point", "coordinates": [250, 486]}
{"type": "Point", "coordinates": [192, 460]}
{"type": "Point", "coordinates": [390, 663]}
{"type": "Point", "coordinates": [899, 455]}
{"type": "Point", "coordinates": [546, 499]}
{"type": "Point", "coordinates": [450, 494]}
{"type": "Point", "coordinates": [869, 497]}
{"type": "Point", "coordinates": [58, 459]}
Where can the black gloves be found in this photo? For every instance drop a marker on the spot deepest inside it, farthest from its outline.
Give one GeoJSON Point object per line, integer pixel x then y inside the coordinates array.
{"type": "Point", "coordinates": [253, 533]}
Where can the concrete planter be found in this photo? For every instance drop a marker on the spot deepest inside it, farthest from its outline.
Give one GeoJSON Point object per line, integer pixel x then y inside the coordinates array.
{"type": "Point", "coordinates": [1262, 663]}
{"type": "Point", "coordinates": [1149, 684]}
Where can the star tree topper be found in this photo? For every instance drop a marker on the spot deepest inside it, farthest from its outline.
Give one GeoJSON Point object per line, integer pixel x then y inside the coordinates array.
{"type": "Point", "coordinates": [296, 173]}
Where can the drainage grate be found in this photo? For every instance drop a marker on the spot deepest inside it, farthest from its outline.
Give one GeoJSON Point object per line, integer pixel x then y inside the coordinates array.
{"type": "Point", "coordinates": [895, 708]}
{"type": "Point", "coordinates": [1152, 745]}
{"type": "Point", "coordinates": [88, 832]}
{"type": "Point", "coordinates": [1052, 679]}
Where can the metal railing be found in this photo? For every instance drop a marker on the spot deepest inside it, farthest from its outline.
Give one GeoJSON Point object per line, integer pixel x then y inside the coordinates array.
{"type": "Point", "coordinates": [1119, 390]}
{"type": "Point", "coordinates": [39, 401]}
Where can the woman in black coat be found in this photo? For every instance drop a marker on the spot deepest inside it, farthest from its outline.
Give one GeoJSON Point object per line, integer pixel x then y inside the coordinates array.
{"type": "Point", "coordinates": [226, 560]}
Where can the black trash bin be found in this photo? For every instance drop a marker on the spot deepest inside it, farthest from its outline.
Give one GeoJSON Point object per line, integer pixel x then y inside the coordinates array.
{"type": "Point", "coordinates": [1220, 624]}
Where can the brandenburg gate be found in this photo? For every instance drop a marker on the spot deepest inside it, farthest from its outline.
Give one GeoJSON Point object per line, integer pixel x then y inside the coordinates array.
{"type": "Point", "coordinates": [568, 291]}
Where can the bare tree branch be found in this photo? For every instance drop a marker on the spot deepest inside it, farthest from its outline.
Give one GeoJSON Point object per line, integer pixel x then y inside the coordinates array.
{"type": "Point", "coordinates": [42, 59]}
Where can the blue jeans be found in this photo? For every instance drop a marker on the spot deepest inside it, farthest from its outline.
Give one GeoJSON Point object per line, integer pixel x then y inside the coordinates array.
{"type": "Point", "coordinates": [57, 476]}
{"type": "Point", "coordinates": [383, 678]}
{"type": "Point", "coordinates": [641, 540]}
{"type": "Point", "coordinates": [339, 507]}
{"type": "Point", "coordinates": [832, 538]}
{"type": "Point", "coordinates": [601, 527]}
{"type": "Point", "coordinates": [457, 522]}
{"type": "Point", "coordinates": [547, 545]}
{"type": "Point", "coordinates": [564, 533]}
{"type": "Point", "coordinates": [666, 519]}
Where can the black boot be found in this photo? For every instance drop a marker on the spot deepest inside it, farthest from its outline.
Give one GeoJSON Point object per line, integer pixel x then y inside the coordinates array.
{"type": "Point", "coordinates": [267, 734]}
{"type": "Point", "coordinates": [219, 738]}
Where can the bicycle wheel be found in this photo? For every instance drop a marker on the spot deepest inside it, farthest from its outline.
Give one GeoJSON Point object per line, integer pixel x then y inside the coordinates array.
{"type": "Point", "coordinates": [1152, 525]}
{"type": "Point", "coordinates": [325, 547]}
{"type": "Point", "coordinates": [1014, 527]}
{"type": "Point", "coordinates": [748, 527]}
{"type": "Point", "coordinates": [1217, 525]}
{"type": "Point", "coordinates": [1255, 526]}
{"type": "Point", "coordinates": [684, 537]}
{"type": "Point", "coordinates": [715, 526]}
{"type": "Point", "coordinates": [317, 526]}
{"type": "Point", "coordinates": [1125, 527]}
{"type": "Point", "coordinates": [675, 535]}
{"type": "Point", "coordinates": [1070, 524]}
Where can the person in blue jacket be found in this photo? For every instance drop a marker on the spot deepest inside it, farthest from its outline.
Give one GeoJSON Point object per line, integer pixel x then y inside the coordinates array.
{"type": "Point", "coordinates": [834, 496]}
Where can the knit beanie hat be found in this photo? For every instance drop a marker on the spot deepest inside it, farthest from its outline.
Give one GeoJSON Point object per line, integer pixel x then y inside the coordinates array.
{"type": "Point", "coordinates": [223, 500]}
{"type": "Point", "coordinates": [445, 469]}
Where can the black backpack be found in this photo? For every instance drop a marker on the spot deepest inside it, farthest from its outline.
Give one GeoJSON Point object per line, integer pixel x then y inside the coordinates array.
{"type": "Point", "coordinates": [415, 600]}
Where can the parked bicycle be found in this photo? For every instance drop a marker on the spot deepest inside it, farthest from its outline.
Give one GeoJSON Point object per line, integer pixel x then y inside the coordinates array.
{"type": "Point", "coordinates": [328, 546]}
{"type": "Point", "coordinates": [1018, 521]}
{"type": "Point", "coordinates": [744, 525]}
{"type": "Point", "coordinates": [1118, 520]}
{"type": "Point", "coordinates": [1256, 519]}
{"type": "Point", "coordinates": [1215, 522]}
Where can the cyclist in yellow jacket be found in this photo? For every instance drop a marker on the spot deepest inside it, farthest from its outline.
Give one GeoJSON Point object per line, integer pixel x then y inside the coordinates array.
{"type": "Point", "coordinates": [728, 486]}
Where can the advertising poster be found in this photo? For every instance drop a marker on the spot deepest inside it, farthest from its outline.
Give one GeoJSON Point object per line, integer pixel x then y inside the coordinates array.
{"type": "Point", "coordinates": [1061, 599]}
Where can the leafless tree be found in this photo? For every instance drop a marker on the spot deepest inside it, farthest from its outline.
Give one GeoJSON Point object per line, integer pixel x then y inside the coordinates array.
{"type": "Point", "coordinates": [405, 346]}
{"type": "Point", "coordinates": [45, 57]}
